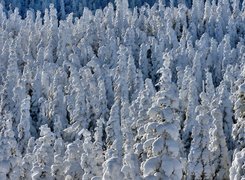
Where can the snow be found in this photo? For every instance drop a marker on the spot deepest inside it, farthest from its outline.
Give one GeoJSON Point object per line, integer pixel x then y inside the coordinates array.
{"type": "Point", "coordinates": [127, 91]}
{"type": "Point", "coordinates": [151, 166]}
{"type": "Point", "coordinates": [237, 168]}
{"type": "Point", "coordinates": [157, 146]}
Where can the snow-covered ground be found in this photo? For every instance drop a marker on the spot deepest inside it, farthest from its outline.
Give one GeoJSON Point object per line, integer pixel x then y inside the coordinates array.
{"type": "Point", "coordinates": [155, 92]}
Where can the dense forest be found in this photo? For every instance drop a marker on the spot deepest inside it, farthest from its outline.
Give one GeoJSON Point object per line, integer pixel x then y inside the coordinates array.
{"type": "Point", "coordinates": [151, 92]}
{"type": "Point", "coordinates": [65, 7]}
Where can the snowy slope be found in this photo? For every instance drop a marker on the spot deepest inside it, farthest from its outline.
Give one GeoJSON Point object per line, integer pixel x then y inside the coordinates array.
{"type": "Point", "coordinates": [145, 93]}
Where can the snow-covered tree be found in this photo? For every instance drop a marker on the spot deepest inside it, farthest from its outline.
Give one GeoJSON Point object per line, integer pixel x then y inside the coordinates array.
{"type": "Point", "coordinates": [114, 144]}
{"type": "Point", "coordinates": [43, 157]}
{"type": "Point", "coordinates": [227, 111]}
{"type": "Point", "coordinates": [163, 140]}
{"type": "Point", "coordinates": [238, 128]}
{"type": "Point", "coordinates": [190, 114]}
{"type": "Point", "coordinates": [218, 146]}
{"type": "Point", "coordinates": [71, 163]}
{"type": "Point", "coordinates": [237, 168]}
{"type": "Point", "coordinates": [57, 168]}
{"type": "Point", "coordinates": [200, 157]}
{"type": "Point", "coordinates": [25, 124]}
{"type": "Point", "coordinates": [10, 156]}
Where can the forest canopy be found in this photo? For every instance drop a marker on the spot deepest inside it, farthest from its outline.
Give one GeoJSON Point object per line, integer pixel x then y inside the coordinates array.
{"type": "Point", "coordinates": [147, 92]}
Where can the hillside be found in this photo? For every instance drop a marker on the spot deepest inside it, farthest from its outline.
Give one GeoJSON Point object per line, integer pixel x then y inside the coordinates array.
{"type": "Point", "coordinates": [155, 92]}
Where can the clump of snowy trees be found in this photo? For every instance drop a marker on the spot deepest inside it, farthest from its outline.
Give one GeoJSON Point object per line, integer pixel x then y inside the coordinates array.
{"type": "Point", "coordinates": [145, 93]}
{"type": "Point", "coordinates": [65, 7]}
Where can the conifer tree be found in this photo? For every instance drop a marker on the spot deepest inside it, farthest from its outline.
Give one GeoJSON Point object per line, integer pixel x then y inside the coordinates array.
{"type": "Point", "coordinates": [218, 146]}
{"type": "Point", "coordinates": [200, 157]}
{"type": "Point", "coordinates": [10, 156]}
{"type": "Point", "coordinates": [43, 157]}
{"type": "Point", "coordinates": [25, 124]}
{"type": "Point", "coordinates": [71, 162]}
{"type": "Point", "coordinates": [163, 143]}
{"type": "Point", "coordinates": [237, 168]}
{"type": "Point", "coordinates": [227, 111]}
{"type": "Point", "coordinates": [57, 168]}
{"type": "Point", "coordinates": [114, 144]}
{"type": "Point", "coordinates": [238, 127]}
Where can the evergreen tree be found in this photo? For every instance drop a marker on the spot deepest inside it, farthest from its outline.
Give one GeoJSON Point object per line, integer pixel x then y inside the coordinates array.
{"type": "Point", "coordinates": [227, 111]}
{"type": "Point", "coordinates": [238, 127]}
{"type": "Point", "coordinates": [200, 157]}
{"type": "Point", "coordinates": [237, 168]}
{"type": "Point", "coordinates": [163, 141]}
{"type": "Point", "coordinates": [57, 168]}
{"type": "Point", "coordinates": [113, 155]}
{"type": "Point", "coordinates": [43, 154]}
{"type": "Point", "coordinates": [25, 124]}
{"type": "Point", "coordinates": [71, 163]}
{"type": "Point", "coordinates": [10, 156]}
{"type": "Point", "coordinates": [221, 160]}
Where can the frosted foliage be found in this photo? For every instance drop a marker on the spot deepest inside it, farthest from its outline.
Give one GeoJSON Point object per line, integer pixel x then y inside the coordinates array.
{"type": "Point", "coordinates": [237, 170]}
{"type": "Point", "coordinates": [162, 144]}
{"type": "Point", "coordinates": [200, 157]}
{"type": "Point", "coordinates": [112, 169]}
{"type": "Point", "coordinates": [238, 131]}
{"type": "Point", "coordinates": [226, 106]}
{"type": "Point", "coordinates": [118, 89]}
{"type": "Point", "coordinates": [221, 160]}
{"type": "Point", "coordinates": [151, 166]}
